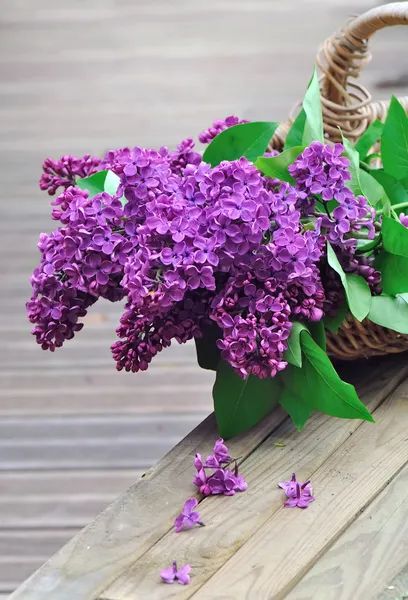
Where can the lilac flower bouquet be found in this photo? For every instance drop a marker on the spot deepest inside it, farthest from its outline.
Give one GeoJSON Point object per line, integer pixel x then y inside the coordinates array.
{"type": "Point", "coordinates": [252, 254]}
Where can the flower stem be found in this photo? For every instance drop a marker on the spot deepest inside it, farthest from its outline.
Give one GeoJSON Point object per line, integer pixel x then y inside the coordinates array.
{"type": "Point", "coordinates": [393, 207]}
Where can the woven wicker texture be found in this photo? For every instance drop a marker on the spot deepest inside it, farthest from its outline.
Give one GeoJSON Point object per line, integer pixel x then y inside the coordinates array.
{"type": "Point", "coordinates": [348, 105]}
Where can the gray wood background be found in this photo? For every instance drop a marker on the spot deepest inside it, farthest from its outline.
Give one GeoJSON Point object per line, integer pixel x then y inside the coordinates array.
{"type": "Point", "coordinates": [89, 75]}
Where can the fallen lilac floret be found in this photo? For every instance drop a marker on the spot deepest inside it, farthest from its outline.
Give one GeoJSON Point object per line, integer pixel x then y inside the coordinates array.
{"type": "Point", "coordinates": [172, 574]}
{"type": "Point", "coordinates": [298, 494]}
{"type": "Point", "coordinates": [221, 452]}
{"type": "Point", "coordinates": [222, 480]}
{"type": "Point", "coordinates": [188, 517]}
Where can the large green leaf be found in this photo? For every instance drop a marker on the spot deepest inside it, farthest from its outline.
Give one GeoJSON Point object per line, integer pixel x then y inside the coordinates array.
{"type": "Point", "coordinates": [351, 153]}
{"type": "Point", "coordinates": [293, 354]}
{"type": "Point", "coordinates": [295, 133]}
{"type": "Point", "coordinates": [394, 273]}
{"type": "Point", "coordinates": [277, 166]}
{"type": "Point", "coordinates": [373, 190]}
{"type": "Point", "coordinates": [357, 291]}
{"type": "Point", "coordinates": [102, 181]}
{"type": "Point", "coordinates": [393, 188]}
{"type": "Point", "coordinates": [390, 312]}
{"type": "Point", "coordinates": [319, 386]}
{"type": "Point", "coordinates": [241, 403]}
{"type": "Point", "coordinates": [298, 410]}
{"type": "Point", "coordinates": [317, 331]}
{"type": "Point", "coordinates": [369, 138]}
{"type": "Point", "coordinates": [394, 237]}
{"type": "Point", "coordinates": [313, 129]}
{"type": "Point", "coordinates": [333, 323]}
{"type": "Point", "coordinates": [394, 141]}
{"type": "Point", "coordinates": [246, 139]}
{"type": "Point", "coordinates": [208, 355]}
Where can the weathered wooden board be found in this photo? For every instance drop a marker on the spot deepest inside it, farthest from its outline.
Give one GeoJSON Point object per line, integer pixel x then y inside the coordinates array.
{"type": "Point", "coordinates": [123, 537]}
{"type": "Point", "coordinates": [276, 557]}
{"type": "Point", "coordinates": [233, 523]}
{"type": "Point", "coordinates": [124, 531]}
{"type": "Point", "coordinates": [368, 555]}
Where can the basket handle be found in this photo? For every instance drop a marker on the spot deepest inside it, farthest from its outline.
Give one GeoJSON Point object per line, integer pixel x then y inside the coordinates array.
{"type": "Point", "coordinates": [346, 103]}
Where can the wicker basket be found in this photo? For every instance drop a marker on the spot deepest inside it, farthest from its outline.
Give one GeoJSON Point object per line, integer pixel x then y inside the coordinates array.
{"type": "Point", "coordinates": [348, 105]}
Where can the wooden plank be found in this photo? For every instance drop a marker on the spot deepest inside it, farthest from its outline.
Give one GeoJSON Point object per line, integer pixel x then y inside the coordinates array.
{"type": "Point", "coordinates": [397, 588]}
{"type": "Point", "coordinates": [368, 555]}
{"type": "Point", "coordinates": [124, 532]}
{"type": "Point", "coordinates": [280, 553]}
{"type": "Point", "coordinates": [230, 523]}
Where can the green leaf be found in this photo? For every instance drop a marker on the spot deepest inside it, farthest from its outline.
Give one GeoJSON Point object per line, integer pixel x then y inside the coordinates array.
{"type": "Point", "coordinates": [403, 297]}
{"type": "Point", "coordinates": [364, 246]}
{"type": "Point", "coordinates": [318, 333]}
{"type": "Point", "coordinates": [277, 166]}
{"type": "Point", "coordinates": [241, 403]}
{"type": "Point", "coordinates": [394, 273]}
{"type": "Point", "coordinates": [293, 354]}
{"type": "Point", "coordinates": [333, 323]}
{"type": "Point", "coordinates": [319, 386]}
{"type": "Point", "coordinates": [357, 291]}
{"type": "Point", "coordinates": [373, 190]}
{"type": "Point", "coordinates": [369, 138]}
{"type": "Point", "coordinates": [390, 312]}
{"type": "Point", "coordinates": [246, 139]}
{"type": "Point", "coordinates": [393, 188]}
{"type": "Point", "coordinates": [313, 130]}
{"type": "Point", "coordinates": [295, 133]}
{"type": "Point", "coordinates": [208, 355]}
{"type": "Point", "coordinates": [102, 181]}
{"type": "Point", "coordinates": [351, 153]}
{"type": "Point", "coordinates": [297, 409]}
{"type": "Point", "coordinates": [394, 141]}
{"type": "Point", "coordinates": [394, 237]}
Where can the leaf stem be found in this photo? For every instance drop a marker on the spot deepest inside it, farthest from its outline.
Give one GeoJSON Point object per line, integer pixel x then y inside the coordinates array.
{"type": "Point", "coordinates": [394, 207]}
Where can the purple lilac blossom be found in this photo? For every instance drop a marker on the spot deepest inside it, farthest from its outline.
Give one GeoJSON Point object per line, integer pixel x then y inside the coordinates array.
{"type": "Point", "coordinates": [221, 480]}
{"type": "Point", "coordinates": [195, 245]}
{"type": "Point", "coordinates": [404, 219]}
{"type": "Point", "coordinates": [188, 517]}
{"type": "Point", "coordinates": [298, 494]}
{"type": "Point", "coordinates": [65, 171]}
{"type": "Point", "coordinates": [209, 134]}
{"type": "Point", "coordinates": [173, 574]}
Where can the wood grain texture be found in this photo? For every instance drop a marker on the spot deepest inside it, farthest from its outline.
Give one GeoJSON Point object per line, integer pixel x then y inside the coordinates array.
{"type": "Point", "coordinates": [125, 530]}
{"type": "Point", "coordinates": [231, 522]}
{"type": "Point", "coordinates": [368, 556]}
{"type": "Point", "coordinates": [277, 556]}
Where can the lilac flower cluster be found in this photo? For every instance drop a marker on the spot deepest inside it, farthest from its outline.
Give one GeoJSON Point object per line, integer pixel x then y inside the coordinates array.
{"type": "Point", "coordinates": [63, 172]}
{"type": "Point", "coordinates": [322, 172]}
{"type": "Point", "coordinates": [220, 480]}
{"type": "Point", "coordinates": [190, 246]}
{"type": "Point", "coordinates": [209, 134]}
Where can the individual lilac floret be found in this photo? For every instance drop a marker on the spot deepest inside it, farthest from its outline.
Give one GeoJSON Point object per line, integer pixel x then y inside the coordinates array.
{"type": "Point", "coordinates": [188, 517]}
{"type": "Point", "coordinates": [404, 219]}
{"type": "Point", "coordinates": [173, 574]}
{"type": "Point", "coordinates": [221, 452]}
{"type": "Point", "coordinates": [298, 494]}
{"type": "Point", "coordinates": [209, 134]}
